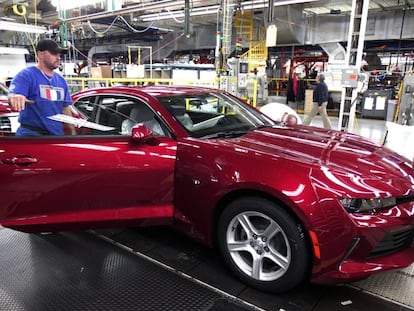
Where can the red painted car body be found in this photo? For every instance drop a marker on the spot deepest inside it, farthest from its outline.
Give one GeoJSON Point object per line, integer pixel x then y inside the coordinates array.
{"type": "Point", "coordinates": [337, 207]}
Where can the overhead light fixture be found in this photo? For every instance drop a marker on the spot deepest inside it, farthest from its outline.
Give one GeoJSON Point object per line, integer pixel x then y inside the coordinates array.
{"type": "Point", "coordinates": [205, 10]}
{"type": "Point", "coordinates": [260, 4]}
{"type": "Point", "coordinates": [67, 5]}
{"type": "Point", "coordinates": [213, 9]}
{"type": "Point", "coordinates": [10, 26]}
{"type": "Point", "coordinates": [13, 51]}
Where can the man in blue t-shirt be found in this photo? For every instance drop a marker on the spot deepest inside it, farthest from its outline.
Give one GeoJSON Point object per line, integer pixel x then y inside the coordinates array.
{"type": "Point", "coordinates": [39, 92]}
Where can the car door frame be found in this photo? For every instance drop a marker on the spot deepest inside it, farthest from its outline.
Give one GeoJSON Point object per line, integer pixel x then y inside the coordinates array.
{"type": "Point", "coordinates": [158, 162]}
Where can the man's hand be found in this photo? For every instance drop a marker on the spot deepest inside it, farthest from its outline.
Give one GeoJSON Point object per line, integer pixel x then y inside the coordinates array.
{"type": "Point", "coordinates": [66, 111]}
{"type": "Point", "coordinates": [18, 102]}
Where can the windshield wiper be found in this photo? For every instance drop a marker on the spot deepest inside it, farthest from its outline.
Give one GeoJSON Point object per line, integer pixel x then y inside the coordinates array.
{"type": "Point", "coordinates": [226, 134]}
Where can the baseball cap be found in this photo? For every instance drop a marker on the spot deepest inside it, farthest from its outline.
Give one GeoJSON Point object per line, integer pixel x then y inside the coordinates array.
{"type": "Point", "coordinates": [51, 46]}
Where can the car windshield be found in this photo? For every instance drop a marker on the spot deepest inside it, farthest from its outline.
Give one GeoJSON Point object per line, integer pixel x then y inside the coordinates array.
{"type": "Point", "coordinates": [212, 114]}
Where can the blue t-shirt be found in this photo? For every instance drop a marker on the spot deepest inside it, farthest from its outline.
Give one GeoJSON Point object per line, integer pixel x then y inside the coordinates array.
{"type": "Point", "coordinates": [50, 95]}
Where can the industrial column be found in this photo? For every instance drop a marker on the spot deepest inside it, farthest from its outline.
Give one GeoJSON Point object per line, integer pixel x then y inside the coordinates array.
{"type": "Point", "coordinates": [356, 38]}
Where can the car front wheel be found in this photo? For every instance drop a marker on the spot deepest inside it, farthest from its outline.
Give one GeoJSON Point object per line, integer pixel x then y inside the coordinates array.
{"type": "Point", "coordinates": [263, 244]}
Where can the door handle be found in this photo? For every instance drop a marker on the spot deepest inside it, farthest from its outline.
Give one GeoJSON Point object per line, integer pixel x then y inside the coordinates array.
{"type": "Point", "coordinates": [20, 160]}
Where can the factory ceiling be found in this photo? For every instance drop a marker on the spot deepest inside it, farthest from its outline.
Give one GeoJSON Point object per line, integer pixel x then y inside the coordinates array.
{"type": "Point", "coordinates": [149, 20]}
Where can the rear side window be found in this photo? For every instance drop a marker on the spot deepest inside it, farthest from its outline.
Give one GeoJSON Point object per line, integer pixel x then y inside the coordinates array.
{"type": "Point", "coordinates": [85, 106]}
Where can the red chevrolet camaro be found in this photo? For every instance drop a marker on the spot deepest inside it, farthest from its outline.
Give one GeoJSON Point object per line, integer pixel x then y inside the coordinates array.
{"type": "Point", "coordinates": [283, 204]}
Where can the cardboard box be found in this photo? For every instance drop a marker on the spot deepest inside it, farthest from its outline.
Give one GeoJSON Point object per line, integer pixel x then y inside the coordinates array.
{"type": "Point", "coordinates": [101, 72]}
{"type": "Point", "coordinates": [119, 74]}
{"type": "Point", "coordinates": [135, 71]}
{"type": "Point", "coordinates": [308, 101]}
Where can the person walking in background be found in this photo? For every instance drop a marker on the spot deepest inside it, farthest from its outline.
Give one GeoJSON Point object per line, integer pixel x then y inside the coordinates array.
{"type": "Point", "coordinates": [320, 101]}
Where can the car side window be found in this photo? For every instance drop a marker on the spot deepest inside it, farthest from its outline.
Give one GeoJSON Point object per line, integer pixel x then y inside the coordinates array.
{"type": "Point", "coordinates": [110, 115]}
{"type": "Point", "coordinates": [107, 117]}
{"type": "Point", "coordinates": [85, 106]}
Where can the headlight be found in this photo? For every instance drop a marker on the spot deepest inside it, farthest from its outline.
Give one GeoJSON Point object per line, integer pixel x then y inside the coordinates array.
{"type": "Point", "coordinates": [366, 205]}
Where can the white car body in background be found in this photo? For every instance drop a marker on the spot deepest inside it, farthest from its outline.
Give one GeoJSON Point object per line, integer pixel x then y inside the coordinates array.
{"type": "Point", "coordinates": [281, 113]}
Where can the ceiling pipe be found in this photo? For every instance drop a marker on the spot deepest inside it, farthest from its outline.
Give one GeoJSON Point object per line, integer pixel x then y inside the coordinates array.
{"type": "Point", "coordinates": [401, 33]}
{"type": "Point", "coordinates": [270, 13]}
{"type": "Point", "coordinates": [187, 18]}
{"type": "Point", "coordinates": [159, 5]}
{"type": "Point", "coordinates": [168, 4]}
{"type": "Point", "coordinates": [271, 31]}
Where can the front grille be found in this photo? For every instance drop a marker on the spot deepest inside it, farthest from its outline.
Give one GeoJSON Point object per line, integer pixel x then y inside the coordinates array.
{"type": "Point", "coordinates": [406, 199]}
{"type": "Point", "coordinates": [5, 124]}
{"type": "Point", "coordinates": [393, 242]}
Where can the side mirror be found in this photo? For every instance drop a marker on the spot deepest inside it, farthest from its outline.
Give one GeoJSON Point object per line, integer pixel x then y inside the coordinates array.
{"type": "Point", "coordinates": [141, 133]}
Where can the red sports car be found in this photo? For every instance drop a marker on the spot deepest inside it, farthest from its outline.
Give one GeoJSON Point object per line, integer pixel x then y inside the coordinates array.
{"type": "Point", "coordinates": [283, 204]}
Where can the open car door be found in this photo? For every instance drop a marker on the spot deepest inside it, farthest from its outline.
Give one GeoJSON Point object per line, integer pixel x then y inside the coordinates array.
{"type": "Point", "coordinates": [75, 182]}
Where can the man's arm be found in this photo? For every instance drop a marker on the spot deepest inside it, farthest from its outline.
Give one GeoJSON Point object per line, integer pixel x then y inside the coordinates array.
{"type": "Point", "coordinates": [71, 127]}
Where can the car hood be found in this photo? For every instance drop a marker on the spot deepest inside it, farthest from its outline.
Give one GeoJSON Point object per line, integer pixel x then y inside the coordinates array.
{"type": "Point", "coordinates": [331, 150]}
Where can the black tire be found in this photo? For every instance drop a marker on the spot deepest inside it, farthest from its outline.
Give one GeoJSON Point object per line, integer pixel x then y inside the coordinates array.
{"type": "Point", "coordinates": [281, 252]}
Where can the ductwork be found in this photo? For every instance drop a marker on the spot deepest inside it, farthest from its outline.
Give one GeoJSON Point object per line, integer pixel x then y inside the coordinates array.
{"type": "Point", "coordinates": [291, 24]}
{"type": "Point", "coordinates": [335, 51]}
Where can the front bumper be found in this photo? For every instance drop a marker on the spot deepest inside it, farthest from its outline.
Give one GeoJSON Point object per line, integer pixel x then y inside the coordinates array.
{"type": "Point", "coordinates": [353, 270]}
{"type": "Point", "coordinates": [359, 245]}
{"type": "Point", "coordinates": [371, 250]}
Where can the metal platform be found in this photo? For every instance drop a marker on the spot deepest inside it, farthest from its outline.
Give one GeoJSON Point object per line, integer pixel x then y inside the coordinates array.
{"type": "Point", "coordinates": [79, 271]}
{"type": "Point", "coordinates": [146, 269]}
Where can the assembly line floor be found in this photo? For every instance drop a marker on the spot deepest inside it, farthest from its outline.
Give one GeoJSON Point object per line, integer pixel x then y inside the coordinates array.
{"type": "Point", "coordinates": [152, 269]}
{"type": "Point", "coordinates": [81, 271]}
{"type": "Point", "coordinates": [160, 269]}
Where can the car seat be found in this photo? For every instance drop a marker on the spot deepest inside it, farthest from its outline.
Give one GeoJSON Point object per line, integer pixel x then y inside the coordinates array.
{"type": "Point", "coordinates": [141, 114]}
{"type": "Point", "coordinates": [179, 112]}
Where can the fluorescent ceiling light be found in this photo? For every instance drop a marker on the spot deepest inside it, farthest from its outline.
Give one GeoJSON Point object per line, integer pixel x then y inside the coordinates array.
{"type": "Point", "coordinates": [67, 5]}
{"type": "Point", "coordinates": [205, 10]}
{"type": "Point", "coordinates": [13, 51]}
{"type": "Point", "coordinates": [260, 4]}
{"type": "Point", "coordinates": [22, 27]}
{"type": "Point", "coordinates": [213, 9]}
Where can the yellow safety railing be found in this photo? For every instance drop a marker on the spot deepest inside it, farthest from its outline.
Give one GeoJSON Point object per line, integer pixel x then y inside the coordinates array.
{"type": "Point", "coordinates": [277, 86]}
{"type": "Point", "coordinates": [243, 24]}
{"type": "Point", "coordinates": [257, 54]}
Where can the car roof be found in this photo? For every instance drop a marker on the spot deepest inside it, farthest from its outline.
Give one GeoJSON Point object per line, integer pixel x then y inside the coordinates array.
{"type": "Point", "coordinates": [159, 90]}
{"type": "Point", "coordinates": [152, 90]}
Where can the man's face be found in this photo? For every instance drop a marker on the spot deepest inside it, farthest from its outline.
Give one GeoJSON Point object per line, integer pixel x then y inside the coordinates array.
{"type": "Point", "coordinates": [50, 59]}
